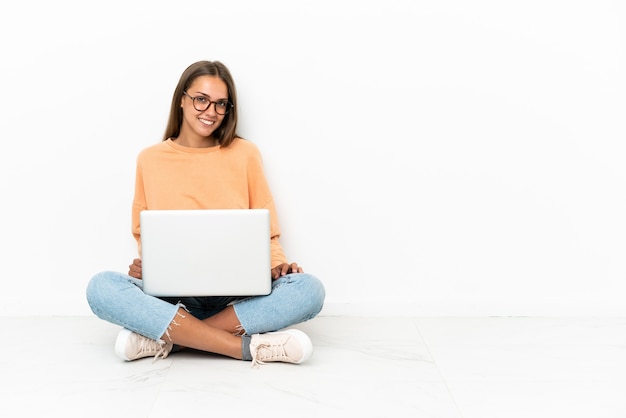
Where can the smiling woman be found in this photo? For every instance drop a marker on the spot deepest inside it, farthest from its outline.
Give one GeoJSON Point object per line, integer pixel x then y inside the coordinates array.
{"type": "Point", "coordinates": [200, 119]}
{"type": "Point", "coordinates": [202, 163]}
{"type": "Point", "coordinates": [193, 122]}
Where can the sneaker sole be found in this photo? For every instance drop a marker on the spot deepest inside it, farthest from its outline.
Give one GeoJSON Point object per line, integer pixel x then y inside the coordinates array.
{"type": "Point", "coordinates": [303, 339]}
{"type": "Point", "coordinates": [120, 343]}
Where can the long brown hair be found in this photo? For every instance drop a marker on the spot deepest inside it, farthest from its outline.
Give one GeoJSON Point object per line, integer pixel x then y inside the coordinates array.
{"type": "Point", "coordinates": [227, 131]}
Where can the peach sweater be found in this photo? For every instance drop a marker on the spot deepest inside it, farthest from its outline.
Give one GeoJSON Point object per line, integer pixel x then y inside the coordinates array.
{"type": "Point", "coordinates": [170, 176]}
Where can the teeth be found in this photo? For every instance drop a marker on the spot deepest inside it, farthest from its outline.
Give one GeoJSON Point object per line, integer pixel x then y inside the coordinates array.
{"type": "Point", "coordinates": [206, 122]}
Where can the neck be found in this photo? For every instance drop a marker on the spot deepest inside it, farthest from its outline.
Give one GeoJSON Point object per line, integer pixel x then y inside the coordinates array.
{"type": "Point", "coordinates": [196, 142]}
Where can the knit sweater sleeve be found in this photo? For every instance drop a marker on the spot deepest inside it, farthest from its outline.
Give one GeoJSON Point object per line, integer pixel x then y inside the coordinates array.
{"type": "Point", "coordinates": [261, 198]}
{"type": "Point", "coordinates": [139, 204]}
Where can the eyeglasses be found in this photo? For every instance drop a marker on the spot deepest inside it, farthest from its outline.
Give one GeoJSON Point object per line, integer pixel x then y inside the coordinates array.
{"type": "Point", "coordinates": [202, 103]}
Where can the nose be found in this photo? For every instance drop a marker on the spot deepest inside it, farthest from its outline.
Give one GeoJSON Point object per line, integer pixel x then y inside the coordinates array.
{"type": "Point", "coordinates": [211, 109]}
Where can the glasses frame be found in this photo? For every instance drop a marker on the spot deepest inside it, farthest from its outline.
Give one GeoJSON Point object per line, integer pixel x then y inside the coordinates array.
{"type": "Point", "coordinates": [211, 102]}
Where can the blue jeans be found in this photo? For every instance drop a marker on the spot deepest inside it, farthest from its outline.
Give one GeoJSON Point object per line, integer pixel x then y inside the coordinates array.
{"type": "Point", "coordinates": [119, 299]}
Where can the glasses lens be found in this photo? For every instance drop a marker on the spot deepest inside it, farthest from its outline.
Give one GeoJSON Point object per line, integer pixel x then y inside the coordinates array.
{"type": "Point", "coordinates": [222, 107]}
{"type": "Point", "coordinates": [201, 103]}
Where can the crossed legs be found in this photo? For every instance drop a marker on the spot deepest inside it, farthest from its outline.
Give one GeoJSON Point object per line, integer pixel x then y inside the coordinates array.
{"type": "Point", "coordinates": [216, 334]}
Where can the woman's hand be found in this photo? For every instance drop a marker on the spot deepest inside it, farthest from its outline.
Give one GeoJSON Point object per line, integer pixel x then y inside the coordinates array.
{"type": "Point", "coordinates": [285, 268]}
{"type": "Point", "coordinates": [134, 270]}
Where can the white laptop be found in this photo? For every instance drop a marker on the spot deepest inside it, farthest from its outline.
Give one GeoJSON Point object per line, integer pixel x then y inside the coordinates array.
{"type": "Point", "coordinates": [206, 252]}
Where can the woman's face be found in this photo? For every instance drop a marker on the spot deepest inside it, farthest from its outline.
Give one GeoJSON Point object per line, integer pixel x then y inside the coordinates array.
{"type": "Point", "coordinates": [203, 122]}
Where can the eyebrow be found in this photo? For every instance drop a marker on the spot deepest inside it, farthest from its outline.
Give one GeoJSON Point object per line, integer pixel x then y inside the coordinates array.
{"type": "Point", "coordinates": [206, 95]}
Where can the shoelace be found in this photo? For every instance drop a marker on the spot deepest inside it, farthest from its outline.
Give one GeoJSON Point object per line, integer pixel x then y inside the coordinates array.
{"type": "Point", "coordinates": [265, 351]}
{"type": "Point", "coordinates": [147, 346]}
{"type": "Point", "coordinates": [162, 353]}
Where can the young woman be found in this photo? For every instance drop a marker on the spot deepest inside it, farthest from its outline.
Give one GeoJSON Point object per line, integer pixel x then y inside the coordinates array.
{"type": "Point", "coordinates": [203, 164]}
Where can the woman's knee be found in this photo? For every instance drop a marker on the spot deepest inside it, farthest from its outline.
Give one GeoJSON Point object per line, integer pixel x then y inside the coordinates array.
{"type": "Point", "coordinates": [102, 287]}
{"type": "Point", "coordinates": [312, 292]}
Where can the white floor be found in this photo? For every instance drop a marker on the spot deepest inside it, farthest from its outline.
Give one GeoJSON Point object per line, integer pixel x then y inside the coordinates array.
{"type": "Point", "coordinates": [361, 367]}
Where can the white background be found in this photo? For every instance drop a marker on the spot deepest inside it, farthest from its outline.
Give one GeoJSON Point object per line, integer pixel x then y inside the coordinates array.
{"type": "Point", "coordinates": [427, 157]}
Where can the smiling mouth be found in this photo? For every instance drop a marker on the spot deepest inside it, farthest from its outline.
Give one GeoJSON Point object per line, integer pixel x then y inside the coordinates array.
{"type": "Point", "coordinates": [207, 122]}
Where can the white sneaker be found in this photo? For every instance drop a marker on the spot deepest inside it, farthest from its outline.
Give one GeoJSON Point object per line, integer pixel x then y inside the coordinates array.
{"type": "Point", "coordinates": [289, 346]}
{"type": "Point", "coordinates": [132, 346]}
